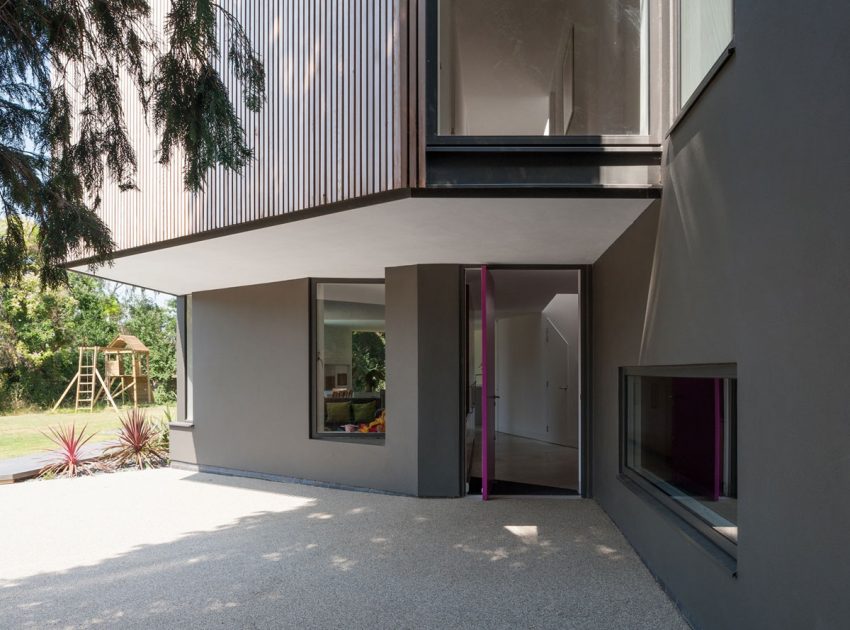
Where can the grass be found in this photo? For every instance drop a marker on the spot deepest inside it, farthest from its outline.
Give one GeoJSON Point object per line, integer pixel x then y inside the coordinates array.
{"type": "Point", "coordinates": [21, 434]}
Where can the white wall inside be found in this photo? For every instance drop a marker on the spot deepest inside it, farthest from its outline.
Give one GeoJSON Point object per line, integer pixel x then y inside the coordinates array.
{"type": "Point", "coordinates": [563, 313]}
{"type": "Point", "coordinates": [521, 376]}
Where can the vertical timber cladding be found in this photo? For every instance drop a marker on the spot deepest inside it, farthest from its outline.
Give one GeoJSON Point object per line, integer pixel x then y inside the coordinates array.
{"type": "Point", "coordinates": [341, 120]}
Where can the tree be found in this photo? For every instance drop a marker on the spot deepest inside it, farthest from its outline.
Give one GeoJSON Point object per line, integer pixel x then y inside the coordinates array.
{"type": "Point", "coordinates": [40, 331]}
{"type": "Point", "coordinates": [62, 125]}
{"type": "Point", "coordinates": [156, 326]}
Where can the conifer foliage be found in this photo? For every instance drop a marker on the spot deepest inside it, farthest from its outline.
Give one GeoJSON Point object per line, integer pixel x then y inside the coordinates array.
{"type": "Point", "coordinates": [63, 130]}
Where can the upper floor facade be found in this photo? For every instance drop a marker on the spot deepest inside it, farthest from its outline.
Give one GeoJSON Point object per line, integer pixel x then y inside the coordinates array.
{"type": "Point", "coordinates": [371, 100]}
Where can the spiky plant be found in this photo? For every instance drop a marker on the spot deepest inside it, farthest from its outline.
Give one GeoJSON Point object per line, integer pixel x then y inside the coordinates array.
{"type": "Point", "coordinates": [69, 455]}
{"type": "Point", "coordinates": [138, 443]}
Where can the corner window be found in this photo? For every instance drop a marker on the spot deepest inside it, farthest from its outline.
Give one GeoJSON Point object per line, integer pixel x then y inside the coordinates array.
{"type": "Point", "coordinates": [705, 34]}
{"type": "Point", "coordinates": [543, 68]}
{"type": "Point", "coordinates": [679, 443]}
{"type": "Point", "coordinates": [349, 355]}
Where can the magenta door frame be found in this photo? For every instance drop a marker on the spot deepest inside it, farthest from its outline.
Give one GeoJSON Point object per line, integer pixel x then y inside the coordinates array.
{"type": "Point", "coordinates": [486, 295]}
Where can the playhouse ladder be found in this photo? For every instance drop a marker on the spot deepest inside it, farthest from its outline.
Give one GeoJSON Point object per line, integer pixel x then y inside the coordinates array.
{"type": "Point", "coordinates": [86, 370]}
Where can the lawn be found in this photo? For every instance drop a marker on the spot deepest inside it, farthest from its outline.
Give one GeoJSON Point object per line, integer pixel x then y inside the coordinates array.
{"type": "Point", "coordinates": [22, 434]}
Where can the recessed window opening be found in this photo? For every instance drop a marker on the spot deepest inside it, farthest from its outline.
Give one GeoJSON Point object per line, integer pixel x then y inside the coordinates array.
{"type": "Point", "coordinates": [349, 341]}
{"type": "Point", "coordinates": [547, 67]}
{"type": "Point", "coordinates": [680, 442]}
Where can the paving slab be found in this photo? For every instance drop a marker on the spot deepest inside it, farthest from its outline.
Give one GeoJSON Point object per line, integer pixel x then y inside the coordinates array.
{"type": "Point", "coordinates": [28, 466]}
{"type": "Point", "coordinates": [177, 549]}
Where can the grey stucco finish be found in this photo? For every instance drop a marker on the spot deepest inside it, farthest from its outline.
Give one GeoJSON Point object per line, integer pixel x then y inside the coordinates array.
{"type": "Point", "coordinates": [747, 259]}
{"type": "Point", "coordinates": [251, 389]}
{"type": "Point", "coordinates": [251, 396]}
{"type": "Point", "coordinates": [439, 380]}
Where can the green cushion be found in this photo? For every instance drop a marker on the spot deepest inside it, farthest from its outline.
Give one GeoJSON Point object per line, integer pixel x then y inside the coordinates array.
{"type": "Point", "coordinates": [364, 412]}
{"type": "Point", "coordinates": [337, 412]}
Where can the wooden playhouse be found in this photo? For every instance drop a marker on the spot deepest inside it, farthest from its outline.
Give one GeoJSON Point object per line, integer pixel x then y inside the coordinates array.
{"type": "Point", "coordinates": [125, 373]}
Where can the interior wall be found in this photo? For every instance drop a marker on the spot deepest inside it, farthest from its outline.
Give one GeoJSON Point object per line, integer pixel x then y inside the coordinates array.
{"type": "Point", "coordinates": [512, 82]}
{"type": "Point", "coordinates": [745, 260]}
{"type": "Point", "coordinates": [520, 407]}
{"type": "Point", "coordinates": [337, 345]}
{"type": "Point", "coordinates": [564, 313]}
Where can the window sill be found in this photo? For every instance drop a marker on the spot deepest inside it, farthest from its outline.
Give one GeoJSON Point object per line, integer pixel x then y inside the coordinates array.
{"type": "Point", "coordinates": [185, 425]}
{"type": "Point", "coordinates": [351, 438]}
{"type": "Point", "coordinates": [702, 87]}
{"type": "Point", "coordinates": [706, 543]}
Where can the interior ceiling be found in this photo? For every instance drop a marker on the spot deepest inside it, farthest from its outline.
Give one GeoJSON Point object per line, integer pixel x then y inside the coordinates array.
{"type": "Point", "coordinates": [362, 242]}
{"type": "Point", "coordinates": [517, 291]}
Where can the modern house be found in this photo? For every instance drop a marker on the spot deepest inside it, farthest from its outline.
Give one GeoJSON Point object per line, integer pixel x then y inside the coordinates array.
{"type": "Point", "coordinates": [554, 246]}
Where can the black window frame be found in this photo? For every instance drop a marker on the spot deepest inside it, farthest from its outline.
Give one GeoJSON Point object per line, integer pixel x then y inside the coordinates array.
{"type": "Point", "coordinates": [312, 358]}
{"type": "Point", "coordinates": [631, 477]}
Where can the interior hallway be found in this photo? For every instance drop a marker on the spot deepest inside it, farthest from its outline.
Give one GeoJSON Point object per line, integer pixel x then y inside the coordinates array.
{"type": "Point", "coordinates": [525, 461]}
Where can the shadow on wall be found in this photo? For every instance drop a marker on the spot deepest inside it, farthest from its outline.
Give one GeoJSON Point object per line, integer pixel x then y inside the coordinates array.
{"type": "Point", "coordinates": [692, 260]}
{"type": "Point", "coordinates": [355, 560]}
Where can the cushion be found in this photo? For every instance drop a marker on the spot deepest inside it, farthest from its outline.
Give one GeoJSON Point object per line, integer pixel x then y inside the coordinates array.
{"type": "Point", "coordinates": [337, 412]}
{"type": "Point", "coordinates": [364, 412]}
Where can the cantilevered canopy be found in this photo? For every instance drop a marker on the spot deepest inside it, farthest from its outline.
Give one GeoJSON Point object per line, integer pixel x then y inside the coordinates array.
{"type": "Point", "coordinates": [360, 242]}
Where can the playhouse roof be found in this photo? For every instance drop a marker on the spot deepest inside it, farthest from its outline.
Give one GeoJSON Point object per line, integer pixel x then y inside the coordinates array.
{"type": "Point", "coordinates": [127, 342]}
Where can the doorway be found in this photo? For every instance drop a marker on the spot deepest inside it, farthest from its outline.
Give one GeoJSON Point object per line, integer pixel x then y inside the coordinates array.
{"type": "Point", "coordinates": [525, 373]}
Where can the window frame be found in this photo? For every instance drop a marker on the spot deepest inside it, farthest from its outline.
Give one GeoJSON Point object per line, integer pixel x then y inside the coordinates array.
{"type": "Point", "coordinates": [681, 109]}
{"type": "Point", "coordinates": [435, 141]}
{"type": "Point", "coordinates": [661, 499]}
{"type": "Point", "coordinates": [312, 359]}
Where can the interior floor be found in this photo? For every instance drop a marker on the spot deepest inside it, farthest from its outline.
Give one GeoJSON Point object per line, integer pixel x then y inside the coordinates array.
{"type": "Point", "coordinates": [523, 461]}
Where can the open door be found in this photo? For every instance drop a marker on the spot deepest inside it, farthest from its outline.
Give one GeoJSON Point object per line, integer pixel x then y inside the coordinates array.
{"type": "Point", "coordinates": [488, 376]}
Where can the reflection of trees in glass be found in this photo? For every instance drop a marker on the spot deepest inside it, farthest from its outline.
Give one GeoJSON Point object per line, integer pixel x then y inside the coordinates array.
{"type": "Point", "coordinates": [368, 361]}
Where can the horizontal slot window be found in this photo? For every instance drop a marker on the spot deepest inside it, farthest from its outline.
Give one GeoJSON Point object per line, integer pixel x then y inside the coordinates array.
{"type": "Point", "coordinates": [680, 442]}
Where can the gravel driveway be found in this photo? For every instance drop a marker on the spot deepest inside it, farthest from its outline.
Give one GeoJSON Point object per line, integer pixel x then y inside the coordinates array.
{"type": "Point", "coordinates": [175, 549]}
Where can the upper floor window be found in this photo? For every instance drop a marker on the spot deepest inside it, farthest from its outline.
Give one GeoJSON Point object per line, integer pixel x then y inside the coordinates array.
{"type": "Point", "coordinates": [705, 34]}
{"type": "Point", "coordinates": [543, 68]}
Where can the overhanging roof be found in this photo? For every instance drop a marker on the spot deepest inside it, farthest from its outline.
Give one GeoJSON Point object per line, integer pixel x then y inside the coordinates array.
{"type": "Point", "coordinates": [359, 242]}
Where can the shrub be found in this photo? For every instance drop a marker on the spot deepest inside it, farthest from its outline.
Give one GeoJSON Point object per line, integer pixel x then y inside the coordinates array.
{"type": "Point", "coordinates": [69, 460]}
{"type": "Point", "coordinates": [139, 443]}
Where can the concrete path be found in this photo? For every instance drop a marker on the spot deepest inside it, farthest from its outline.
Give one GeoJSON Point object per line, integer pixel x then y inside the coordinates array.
{"type": "Point", "coordinates": [174, 549]}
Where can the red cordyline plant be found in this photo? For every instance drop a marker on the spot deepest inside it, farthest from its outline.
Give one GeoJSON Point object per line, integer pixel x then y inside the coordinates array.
{"type": "Point", "coordinates": [69, 456]}
{"type": "Point", "coordinates": [139, 442]}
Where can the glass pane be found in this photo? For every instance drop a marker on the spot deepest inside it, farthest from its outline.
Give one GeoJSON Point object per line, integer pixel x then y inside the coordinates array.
{"type": "Point", "coordinates": [681, 438]}
{"type": "Point", "coordinates": [547, 67]}
{"type": "Point", "coordinates": [706, 32]}
{"type": "Point", "coordinates": [351, 359]}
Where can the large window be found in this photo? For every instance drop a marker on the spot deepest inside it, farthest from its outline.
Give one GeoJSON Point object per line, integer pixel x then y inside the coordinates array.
{"type": "Point", "coordinates": [705, 33]}
{"type": "Point", "coordinates": [543, 67]}
{"type": "Point", "coordinates": [679, 443]}
{"type": "Point", "coordinates": [349, 352]}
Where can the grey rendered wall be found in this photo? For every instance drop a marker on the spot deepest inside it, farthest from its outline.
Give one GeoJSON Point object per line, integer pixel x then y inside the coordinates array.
{"type": "Point", "coordinates": [747, 259]}
{"type": "Point", "coordinates": [251, 390]}
{"type": "Point", "coordinates": [438, 376]}
{"type": "Point", "coordinates": [251, 396]}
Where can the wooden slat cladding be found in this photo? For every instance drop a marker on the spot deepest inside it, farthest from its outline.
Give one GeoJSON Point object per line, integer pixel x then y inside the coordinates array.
{"type": "Point", "coordinates": [342, 120]}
